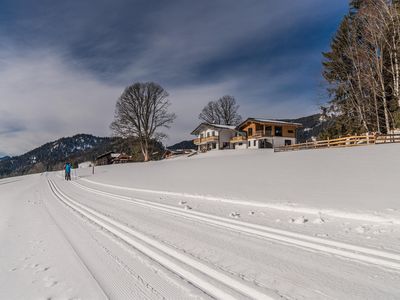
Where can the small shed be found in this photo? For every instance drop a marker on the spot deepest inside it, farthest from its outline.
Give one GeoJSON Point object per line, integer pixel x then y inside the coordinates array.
{"type": "Point", "coordinates": [106, 158]}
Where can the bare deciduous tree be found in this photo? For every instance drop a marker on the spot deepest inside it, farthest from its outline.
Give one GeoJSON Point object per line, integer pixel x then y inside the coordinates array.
{"type": "Point", "coordinates": [140, 112]}
{"type": "Point", "coordinates": [222, 111]}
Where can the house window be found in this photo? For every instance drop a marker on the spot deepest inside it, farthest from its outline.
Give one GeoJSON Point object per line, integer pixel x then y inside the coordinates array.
{"type": "Point", "coordinates": [288, 142]}
{"type": "Point", "coordinates": [259, 127]}
{"type": "Point", "coordinates": [278, 131]}
{"type": "Point", "coordinates": [268, 130]}
{"type": "Point", "coordinates": [250, 131]}
{"type": "Point", "coordinates": [255, 143]}
{"type": "Point", "coordinates": [290, 131]}
{"type": "Point", "coordinates": [240, 144]}
{"type": "Point", "coordinates": [201, 135]}
{"type": "Point", "coordinates": [208, 134]}
{"type": "Point", "coordinates": [249, 144]}
{"type": "Point", "coordinates": [213, 133]}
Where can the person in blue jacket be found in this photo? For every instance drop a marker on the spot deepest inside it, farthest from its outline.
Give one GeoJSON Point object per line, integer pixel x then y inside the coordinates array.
{"type": "Point", "coordinates": [68, 171]}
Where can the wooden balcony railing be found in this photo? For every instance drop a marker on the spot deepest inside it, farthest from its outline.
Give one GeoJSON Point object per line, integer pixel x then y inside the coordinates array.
{"type": "Point", "coordinates": [260, 133]}
{"type": "Point", "coordinates": [239, 138]}
{"type": "Point", "coordinates": [208, 139]}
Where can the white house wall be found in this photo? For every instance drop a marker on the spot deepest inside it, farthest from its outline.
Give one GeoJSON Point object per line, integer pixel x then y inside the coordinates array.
{"type": "Point", "coordinates": [276, 141]}
{"type": "Point", "coordinates": [242, 146]}
{"type": "Point", "coordinates": [280, 141]}
{"type": "Point", "coordinates": [208, 131]}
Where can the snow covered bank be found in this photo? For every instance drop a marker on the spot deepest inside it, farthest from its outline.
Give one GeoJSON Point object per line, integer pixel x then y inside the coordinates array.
{"type": "Point", "coordinates": [357, 183]}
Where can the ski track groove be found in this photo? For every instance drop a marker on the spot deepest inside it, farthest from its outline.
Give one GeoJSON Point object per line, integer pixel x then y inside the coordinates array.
{"type": "Point", "coordinates": [126, 233]}
{"type": "Point", "coordinates": [75, 251]}
{"type": "Point", "coordinates": [357, 253]}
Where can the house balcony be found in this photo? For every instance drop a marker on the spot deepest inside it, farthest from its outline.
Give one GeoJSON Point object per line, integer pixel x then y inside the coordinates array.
{"type": "Point", "coordinates": [260, 134]}
{"type": "Point", "coordinates": [238, 139]}
{"type": "Point", "coordinates": [209, 139]}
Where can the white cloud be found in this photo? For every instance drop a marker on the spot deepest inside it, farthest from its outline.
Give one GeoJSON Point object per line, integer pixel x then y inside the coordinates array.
{"type": "Point", "coordinates": [43, 98]}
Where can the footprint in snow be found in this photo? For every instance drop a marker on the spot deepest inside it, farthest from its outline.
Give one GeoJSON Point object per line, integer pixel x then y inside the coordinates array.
{"type": "Point", "coordinates": [322, 235]}
{"type": "Point", "coordinates": [182, 202]}
{"type": "Point", "coordinates": [300, 220]}
{"type": "Point", "coordinates": [49, 282]}
{"type": "Point", "coordinates": [45, 269]}
{"type": "Point", "coordinates": [235, 215]}
{"type": "Point", "coordinates": [318, 221]}
{"type": "Point", "coordinates": [187, 207]}
{"type": "Point", "coordinates": [361, 229]}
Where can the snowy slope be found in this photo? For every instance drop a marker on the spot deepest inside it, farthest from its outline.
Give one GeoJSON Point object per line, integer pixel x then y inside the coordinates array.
{"type": "Point", "coordinates": [359, 182]}
{"type": "Point", "coordinates": [225, 225]}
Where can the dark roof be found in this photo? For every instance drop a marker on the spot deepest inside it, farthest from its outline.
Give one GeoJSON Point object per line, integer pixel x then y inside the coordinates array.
{"type": "Point", "coordinates": [104, 155]}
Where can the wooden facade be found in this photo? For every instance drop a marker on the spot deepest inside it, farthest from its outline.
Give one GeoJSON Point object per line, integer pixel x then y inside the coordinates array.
{"type": "Point", "coordinates": [261, 133]}
{"type": "Point", "coordinates": [256, 129]}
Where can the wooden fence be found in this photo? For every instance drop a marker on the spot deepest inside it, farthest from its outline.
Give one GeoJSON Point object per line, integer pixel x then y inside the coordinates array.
{"type": "Point", "coordinates": [349, 141]}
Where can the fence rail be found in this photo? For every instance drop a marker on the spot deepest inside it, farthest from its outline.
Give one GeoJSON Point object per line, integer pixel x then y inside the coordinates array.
{"type": "Point", "coordinates": [349, 141]}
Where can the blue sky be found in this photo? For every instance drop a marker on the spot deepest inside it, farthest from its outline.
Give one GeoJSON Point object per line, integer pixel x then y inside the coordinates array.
{"type": "Point", "coordinates": [63, 64]}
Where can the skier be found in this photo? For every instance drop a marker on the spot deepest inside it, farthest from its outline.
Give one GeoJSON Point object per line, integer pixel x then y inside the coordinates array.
{"type": "Point", "coordinates": [67, 171]}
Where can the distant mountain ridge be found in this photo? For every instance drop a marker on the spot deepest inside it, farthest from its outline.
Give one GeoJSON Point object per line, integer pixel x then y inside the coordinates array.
{"type": "Point", "coordinates": [76, 149]}
{"type": "Point", "coordinates": [183, 145]}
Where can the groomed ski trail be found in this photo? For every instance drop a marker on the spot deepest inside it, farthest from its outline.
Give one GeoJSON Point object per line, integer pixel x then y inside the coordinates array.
{"type": "Point", "coordinates": [211, 281]}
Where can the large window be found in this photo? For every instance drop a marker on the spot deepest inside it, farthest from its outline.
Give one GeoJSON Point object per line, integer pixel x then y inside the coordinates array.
{"type": "Point", "coordinates": [278, 131]}
{"type": "Point", "coordinates": [259, 127]}
{"type": "Point", "coordinates": [268, 130]}
{"type": "Point", "coordinates": [250, 131]}
{"type": "Point", "coordinates": [288, 142]}
{"type": "Point", "coordinates": [213, 133]}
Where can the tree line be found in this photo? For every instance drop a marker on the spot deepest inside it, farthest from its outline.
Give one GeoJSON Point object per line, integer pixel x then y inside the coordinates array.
{"type": "Point", "coordinates": [362, 70]}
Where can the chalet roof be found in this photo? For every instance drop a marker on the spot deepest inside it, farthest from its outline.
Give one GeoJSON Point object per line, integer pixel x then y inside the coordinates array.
{"type": "Point", "coordinates": [104, 155]}
{"type": "Point", "coordinates": [270, 121]}
{"type": "Point", "coordinates": [214, 126]}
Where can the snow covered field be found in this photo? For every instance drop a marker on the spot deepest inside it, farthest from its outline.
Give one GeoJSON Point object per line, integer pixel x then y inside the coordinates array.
{"type": "Point", "coordinates": [321, 224]}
